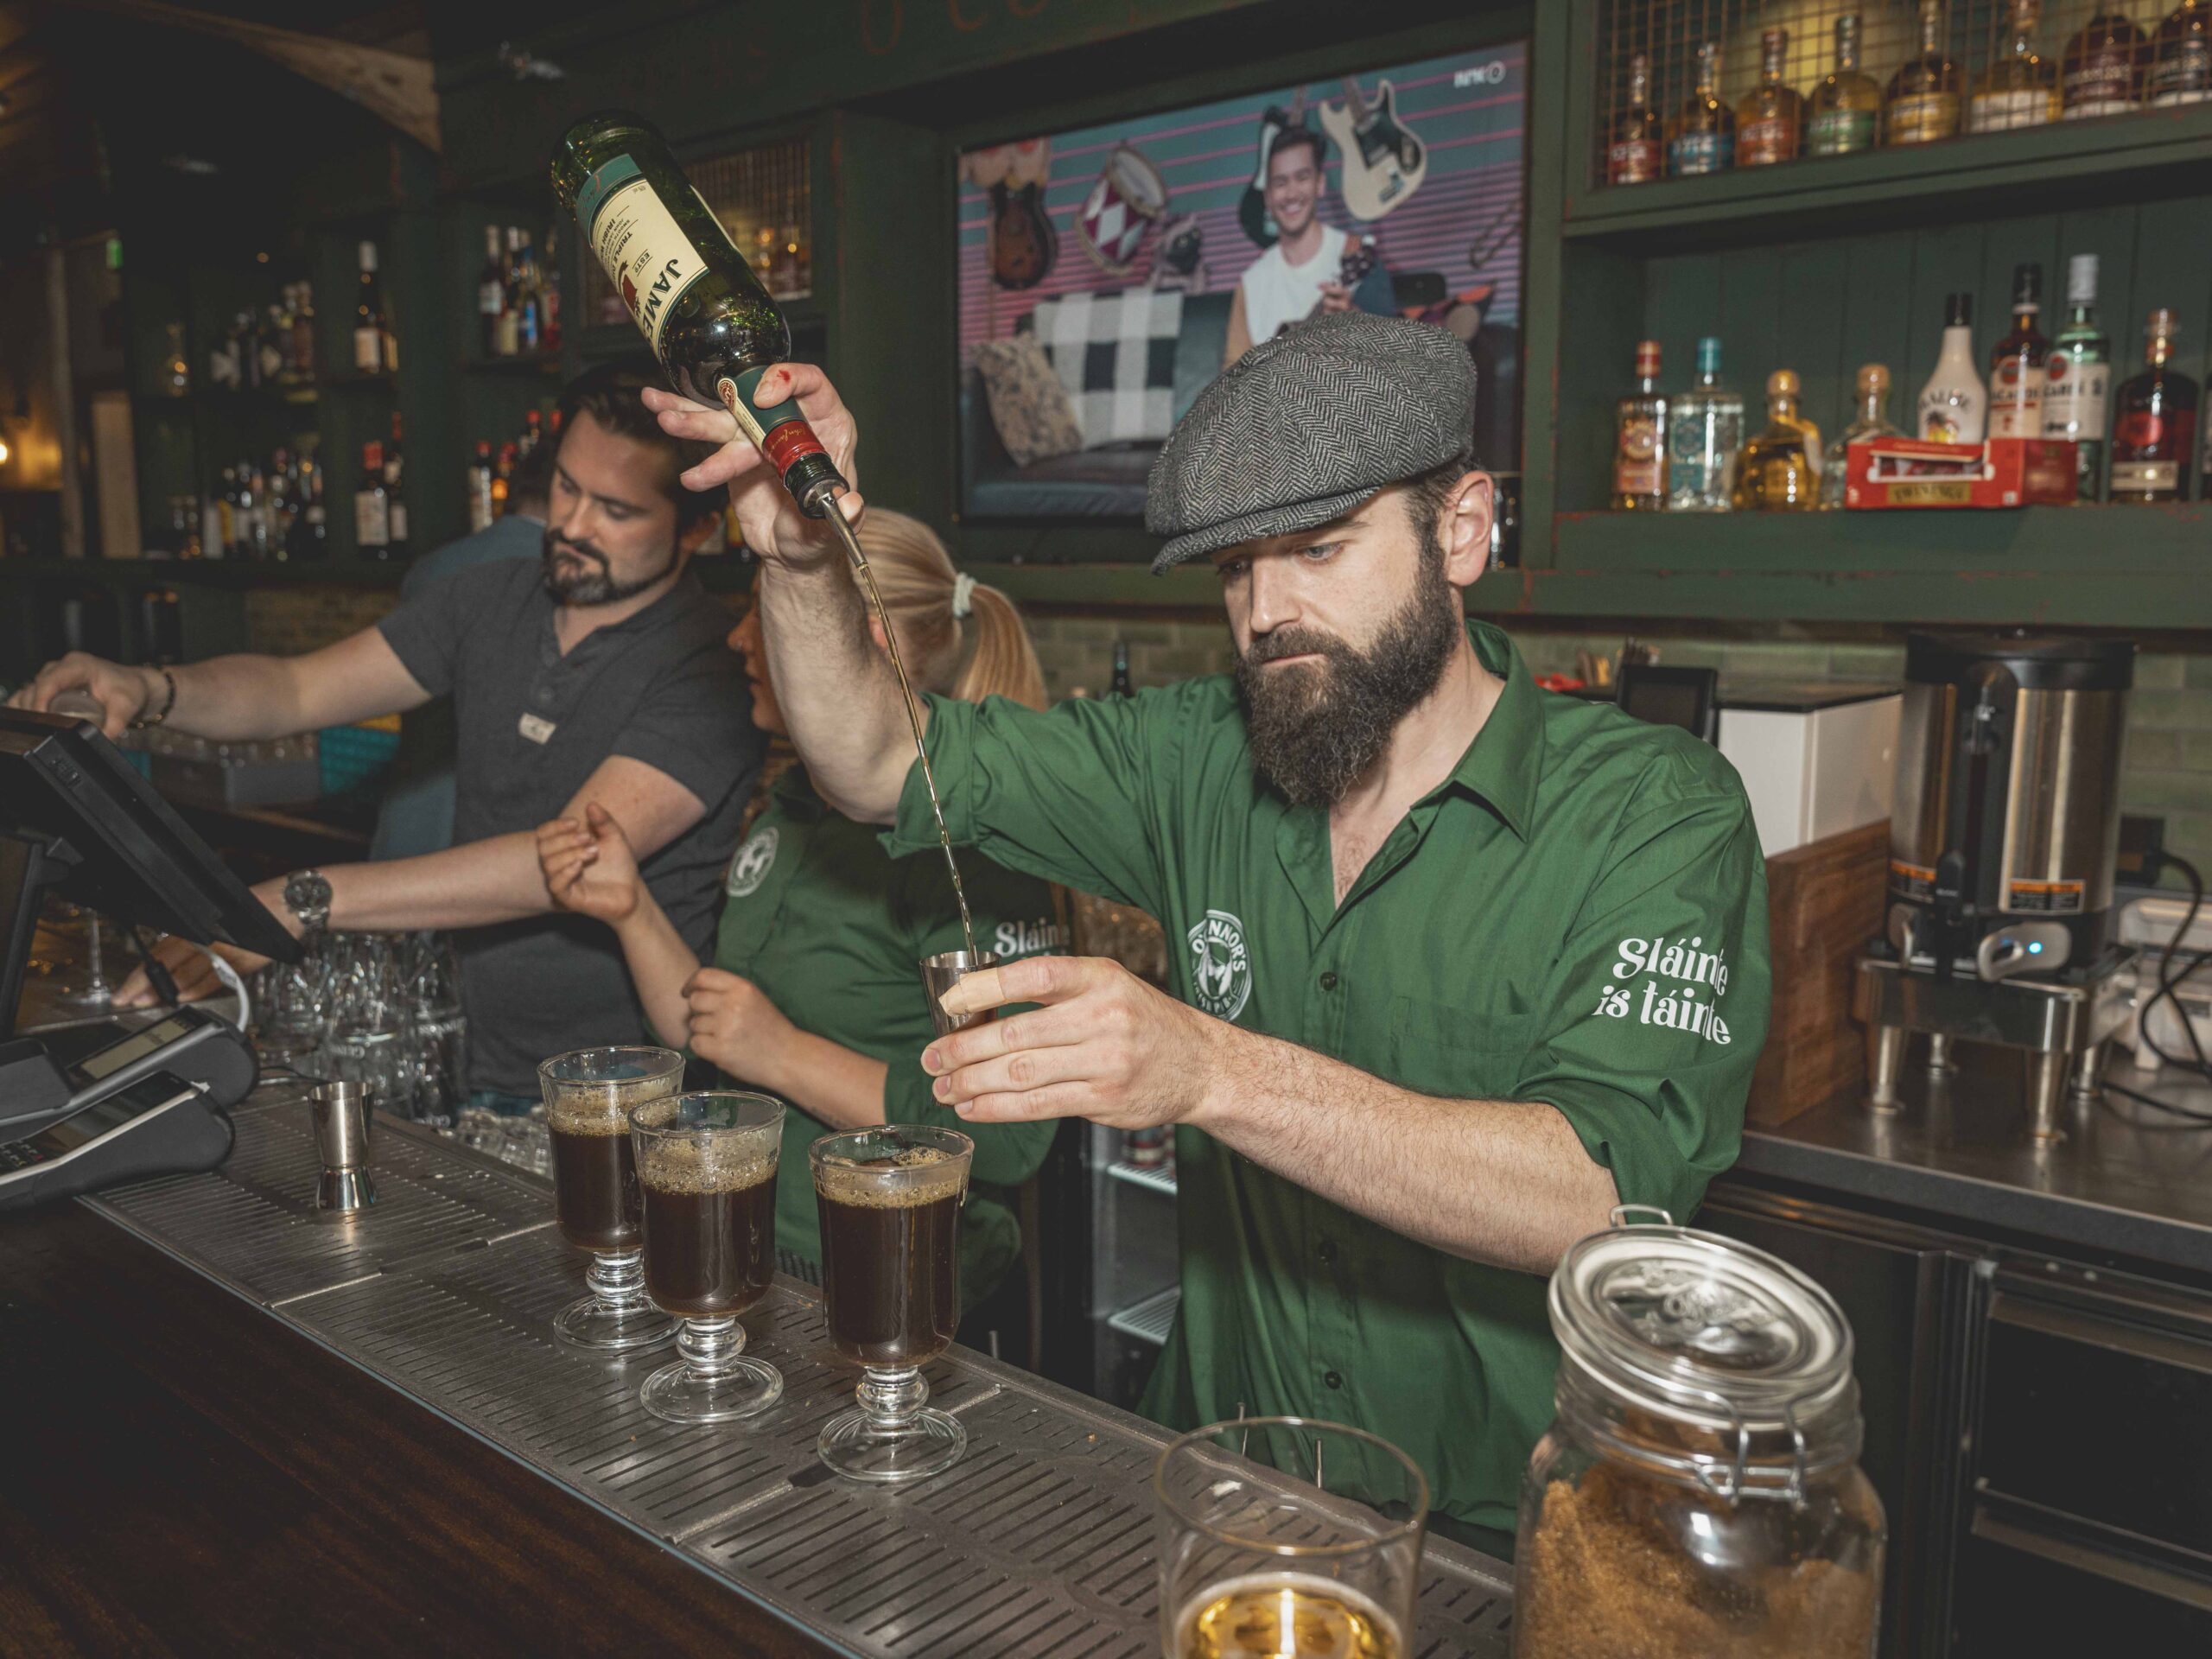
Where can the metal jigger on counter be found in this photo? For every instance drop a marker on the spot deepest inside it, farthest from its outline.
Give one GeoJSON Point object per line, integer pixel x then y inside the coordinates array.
{"type": "Point", "coordinates": [342, 1124]}
{"type": "Point", "coordinates": [940, 973]}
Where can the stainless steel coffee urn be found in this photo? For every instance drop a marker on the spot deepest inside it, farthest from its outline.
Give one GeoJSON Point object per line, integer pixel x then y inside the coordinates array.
{"type": "Point", "coordinates": [2002, 840]}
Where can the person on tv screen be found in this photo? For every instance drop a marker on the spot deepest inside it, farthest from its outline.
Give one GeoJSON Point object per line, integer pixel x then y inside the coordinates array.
{"type": "Point", "coordinates": [1303, 275]}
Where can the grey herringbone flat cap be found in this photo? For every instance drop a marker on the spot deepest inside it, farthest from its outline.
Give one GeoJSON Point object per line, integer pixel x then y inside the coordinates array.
{"type": "Point", "coordinates": [1307, 426]}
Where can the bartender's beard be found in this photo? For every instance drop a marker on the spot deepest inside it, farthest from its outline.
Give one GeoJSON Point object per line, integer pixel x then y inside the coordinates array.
{"type": "Point", "coordinates": [1315, 728]}
{"type": "Point", "coordinates": [595, 584]}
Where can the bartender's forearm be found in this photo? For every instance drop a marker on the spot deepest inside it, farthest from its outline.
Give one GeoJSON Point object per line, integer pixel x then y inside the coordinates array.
{"type": "Point", "coordinates": [475, 885]}
{"type": "Point", "coordinates": [660, 963]}
{"type": "Point", "coordinates": [826, 1080]}
{"type": "Point", "coordinates": [1501, 1181]}
{"type": "Point", "coordinates": [835, 688]}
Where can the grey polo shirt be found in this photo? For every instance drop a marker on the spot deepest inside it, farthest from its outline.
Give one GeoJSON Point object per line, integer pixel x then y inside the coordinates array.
{"type": "Point", "coordinates": [533, 724]}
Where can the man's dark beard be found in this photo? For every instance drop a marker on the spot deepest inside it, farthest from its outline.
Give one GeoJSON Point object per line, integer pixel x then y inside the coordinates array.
{"type": "Point", "coordinates": [591, 586]}
{"type": "Point", "coordinates": [1316, 728]}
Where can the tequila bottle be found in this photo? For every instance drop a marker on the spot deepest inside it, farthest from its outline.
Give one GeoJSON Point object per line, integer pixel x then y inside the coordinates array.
{"type": "Point", "coordinates": [1702, 139]}
{"type": "Point", "coordinates": [1776, 472]}
{"type": "Point", "coordinates": [1705, 431]}
{"type": "Point", "coordinates": [1640, 438]}
{"type": "Point", "coordinates": [1846, 106]}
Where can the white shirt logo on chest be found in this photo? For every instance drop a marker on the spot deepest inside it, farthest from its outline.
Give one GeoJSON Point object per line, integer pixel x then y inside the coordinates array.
{"type": "Point", "coordinates": [1221, 966]}
{"type": "Point", "coordinates": [751, 866]}
{"type": "Point", "coordinates": [536, 729]}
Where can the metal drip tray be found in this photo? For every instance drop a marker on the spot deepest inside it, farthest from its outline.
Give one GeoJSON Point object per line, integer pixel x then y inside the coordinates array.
{"type": "Point", "coordinates": [1040, 1542]}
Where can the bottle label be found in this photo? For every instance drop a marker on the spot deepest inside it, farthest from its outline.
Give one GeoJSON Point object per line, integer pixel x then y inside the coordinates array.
{"type": "Point", "coordinates": [1840, 133]}
{"type": "Point", "coordinates": [2183, 76]}
{"type": "Point", "coordinates": [2145, 477]}
{"type": "Point", "coordinates": [2074, 397]}
{"type": "Point", "coordinates": [371, 522]}
{"type": "Point", "coordinates": [643, 252]}
{"type": "Point", "coordinates": [1633, 161]}
{"type": "Point", "coordinates": [368, 350]}
{"type": "Point", "coordinates": [2016, 399]}
{"type": "Point", "coordinates": [1922, 117]}
{"type": "Point", "coordinates": [1639, 462]}
{"type": "Point", "coordinates": [2103, 83]}
{"type": "Point", "coordinates": [1772, 139]}
{"type": "Point", "coordinates": [396, 520]}
{"type": "Point", "coordinates": [1950, 415]}
{"type": "Point", "coordinates": [491, 298]}
{"type": "Point", "coordinates": [2003, 112]}
{"type": "Point", "coordinates": [1702, 152]}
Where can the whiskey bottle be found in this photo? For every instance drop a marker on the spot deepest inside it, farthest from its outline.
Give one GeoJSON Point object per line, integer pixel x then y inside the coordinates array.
{"type": "Point", "coordinates": [1954, 407]}
{"type": "Point", "coordinates": [2020, 86]}
{"type": "Point", "coordinates": [2103, 71]}
{"type": "Point", "coordinates": [1705, 431]}
{"type": "Point", "coordinates": [372, 520]}
{"type": "Point", "coordinates": [1640, 438]}
{"type": "Point", "coordinates": [1637, 154]}
{"type": "Point", "coordinates": [709, 321]}
{"type": "Point", "coordinates": [370, 330]}
{"type": "Point", "coordinates": [2016, 363]}
{"type": "Point", "coordinates": [2154, 438]}
{"type": "Point", "coordinates": [480, 513]}
{"type": "Point", "coordinates": [2181, 58]}
{"type": "Point", "coordinates": [2076, 376]}
{"type": "Point", "coordinates": [1702, 139]}
{"type": "Point", "coordinates": [1922, 103]}
{"type": "Point", "coordinates": [1769, 119]}
{"type": "Point", "coordinates": [395, 509]}
{"type": "Point", "coordinates": [1846, 106]}
{"type": "Point", "coordinates": [490, 295]}
{"type": "Point", "coordinates": [1873, 421]}
{"type": "Point", "coordinates": [1776, 475]}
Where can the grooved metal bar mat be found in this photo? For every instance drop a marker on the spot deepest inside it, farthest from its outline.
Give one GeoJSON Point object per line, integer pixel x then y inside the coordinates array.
{"type": "Point", "coordinates": [1040, 1542]}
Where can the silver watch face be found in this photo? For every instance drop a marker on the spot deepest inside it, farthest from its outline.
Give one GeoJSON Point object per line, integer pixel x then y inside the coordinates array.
{"type": "Point", "coordinates": [308, 893]}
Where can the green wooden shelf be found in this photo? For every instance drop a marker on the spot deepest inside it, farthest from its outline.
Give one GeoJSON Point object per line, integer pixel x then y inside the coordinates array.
{"type": "Point", "coordinates": [2136, 157]}
{"type": "Point", "coordinates": [211, 573]}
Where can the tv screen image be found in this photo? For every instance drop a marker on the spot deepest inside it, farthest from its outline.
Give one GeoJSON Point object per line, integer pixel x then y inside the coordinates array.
{"type": "Point", "coordinates": [1106, 273]}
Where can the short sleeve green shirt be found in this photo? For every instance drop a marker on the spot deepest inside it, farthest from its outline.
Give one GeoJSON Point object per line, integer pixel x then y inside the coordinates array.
{"type": "Point", "coordinates": [833, 928]}
{"type": "Point", "coordinates": [1576, 916]}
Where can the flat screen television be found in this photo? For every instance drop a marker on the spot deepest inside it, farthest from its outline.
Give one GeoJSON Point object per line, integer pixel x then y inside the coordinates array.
{"type": "Point", "coordinates": [1104, 272]}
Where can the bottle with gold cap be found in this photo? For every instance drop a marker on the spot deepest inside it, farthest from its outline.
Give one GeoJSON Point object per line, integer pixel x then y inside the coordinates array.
{"type": "Point", "coordinates": [1778, 472]}
{"type": "Point", "coordinates": [1873, 421]}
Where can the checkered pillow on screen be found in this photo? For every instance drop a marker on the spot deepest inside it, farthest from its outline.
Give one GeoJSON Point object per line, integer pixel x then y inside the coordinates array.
{"type": "Point", "coordinates": [1115, 354]}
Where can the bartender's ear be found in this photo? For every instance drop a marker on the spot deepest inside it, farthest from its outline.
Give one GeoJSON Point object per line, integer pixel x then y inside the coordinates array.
{"type": "Point", "coordinates": [697, 537]}
{"type": "Point", "coordinates": [1463, 527]}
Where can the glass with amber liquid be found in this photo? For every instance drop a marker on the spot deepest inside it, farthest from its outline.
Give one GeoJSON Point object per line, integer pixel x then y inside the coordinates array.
{"type": "Point", "coordinates": [2103, 71]}
{"type": "Point", "coordinates": [1702, 137]}
{"type": "Point", "coordinates": [1778, 471]}
{"type": "Point", "coordinates": [1769, 119]}
{"type": "Point", "coordinates": [1286, 1537]}
{"type": "Point", "coordinates": [1922, 103]}
{"type": "Point", "coordinates": [2020, 86]}
{"type": "Point", "coordinates": [1846, 108]}
{"type": "Point", "coordinates": [1636, 152]}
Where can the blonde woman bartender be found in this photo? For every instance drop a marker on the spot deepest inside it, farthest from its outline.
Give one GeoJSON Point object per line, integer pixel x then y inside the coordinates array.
{"type": "Point", "coordinates": [816, 994]}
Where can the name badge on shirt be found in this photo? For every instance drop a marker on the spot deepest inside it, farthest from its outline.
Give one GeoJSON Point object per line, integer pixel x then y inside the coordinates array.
{"type": "Point", "coordinates": [536, 729]}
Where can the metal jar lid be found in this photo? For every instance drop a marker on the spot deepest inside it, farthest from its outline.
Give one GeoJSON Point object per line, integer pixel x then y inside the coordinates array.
{"type": "Point", "coordinates": [1693, 1330]}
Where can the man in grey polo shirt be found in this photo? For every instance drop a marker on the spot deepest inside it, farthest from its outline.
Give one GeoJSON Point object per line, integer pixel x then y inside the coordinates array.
{"type": "Point", "coordinates": [598, 673]}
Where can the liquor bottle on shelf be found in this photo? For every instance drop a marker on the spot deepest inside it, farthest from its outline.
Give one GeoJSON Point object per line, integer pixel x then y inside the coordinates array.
{"type": "Point", "coordinates": [395, 496]}
{"type": "Point", "coordinates": [2181, 58]}
{"type": "Point", "coordinates": [1873, 421]}
{"type": "Point", "coordinates": [1705, 431]}
{"type": "Point", "coordinates": [1953, 405]}
{"type": "Point", "coordinates": [527, 343]}
{"type": "Point", "coordinates": [1121, 685]}
{"type": "Point", "coordinates": [2076, 374]}
{"type": "Point", "coordinates": [2020, 86]}
{"type": "Point", "coordinates": [371, 519]}
{"type": "Point", "coordinates": [502, 472]}
{"type": "Point", "coordinates": [2154, 435]}
{"type": "Point", "coordinates": [533, 432]}
{"type": "Point", "coordinates": [548, 295]}
{"type": "Point", "coordinates": [1770, 117]}
{"type": "Point", "coordinates": [1640, 438]}
{"type": "Point", "coordinates": [369, 329]}
{"type": "Point", "coordinates": [303, 332]}
{"type": "Point", "coordinates": [310, 537]}
{"type": "Point", "coordinates": [1922, 103]}
{"type": "Point", "coordinates": [225, 540]}
{"type": "Point", "coordinates": [2102, 73]}
{"type": "Point", "coordinates": [1702, 137]}
{"type": "Point", "coordinates": [1775, 473]}
{"type": "Point", "coordinates": [490, 295]}
{"type": "Point", "coordinates": [480, 510]}
{"type": "Point", "coordinates": [1846, 108]}
{"type": "Point", "coordinates": [274, 347]}
{"type": "Point", "coordinates": [1636, 152]}
{"type": "Point", "coordinates": [176, 372]}
{"type": "Point", "coordinates": [2016, 370]}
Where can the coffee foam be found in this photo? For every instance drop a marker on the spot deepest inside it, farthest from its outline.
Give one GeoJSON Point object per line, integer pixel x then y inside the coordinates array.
{"type": "Point", "coordinates": [701, 1167]}
{"type": "Point", "coordinates": [868, 1185]}
{"type": "Point", "coordinates": [603, 1109]}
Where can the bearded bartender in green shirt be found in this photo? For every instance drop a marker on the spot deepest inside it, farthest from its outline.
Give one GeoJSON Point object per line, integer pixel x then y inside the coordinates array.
{"type": "Point", "coordinates": [1462, 965]}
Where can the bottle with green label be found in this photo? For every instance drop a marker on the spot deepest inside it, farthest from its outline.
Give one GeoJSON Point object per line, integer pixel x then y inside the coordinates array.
{"type": "Point", "coordinates": [1846, 106]}
{"type": "Point", "coordinates": [2077, 376]}
{"type": "Point", "coordinates": [709, 321]}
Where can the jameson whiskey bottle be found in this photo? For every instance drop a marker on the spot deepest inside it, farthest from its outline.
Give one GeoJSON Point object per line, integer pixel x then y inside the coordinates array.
{"type": "Point", "coordinates": [691, 294]}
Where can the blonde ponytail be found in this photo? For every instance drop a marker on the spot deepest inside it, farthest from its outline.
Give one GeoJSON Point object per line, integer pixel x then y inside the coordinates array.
{"type": "Point", "coordinates": [918, 584]}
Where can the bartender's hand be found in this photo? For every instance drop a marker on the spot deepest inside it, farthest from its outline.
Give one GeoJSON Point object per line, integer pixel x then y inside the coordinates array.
{"type": "Point", "coordinates": [125, 693]}
{"type": "Point", "coordinates": [773, 526]}
{"type": "Point", "coordinates": [1103, 1044]}
{"type": "Point", "coordinates": [735, 1025]}
{"type": "Point", "coordinates": [590, 867]}
{"type": "Point", "coordinates": [188, 966]}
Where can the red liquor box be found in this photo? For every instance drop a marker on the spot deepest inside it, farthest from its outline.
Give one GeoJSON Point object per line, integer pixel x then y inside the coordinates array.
{"type": "Point", "coordinates": [2002, 473]}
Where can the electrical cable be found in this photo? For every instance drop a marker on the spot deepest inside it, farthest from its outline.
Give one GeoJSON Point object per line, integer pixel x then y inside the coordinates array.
{"type": "Point", "coordinates": [2198, 1063]}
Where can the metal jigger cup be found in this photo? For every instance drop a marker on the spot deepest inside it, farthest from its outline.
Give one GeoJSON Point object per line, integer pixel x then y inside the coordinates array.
{"type": "Point", "coordinates": [941, 973]}
{"type": "Point", "coordinates": [342, 1129]}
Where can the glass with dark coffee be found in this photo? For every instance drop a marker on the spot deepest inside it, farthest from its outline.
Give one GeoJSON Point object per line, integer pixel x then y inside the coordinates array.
{"type": "Point", "coordinates": [890, 1199]}
{"type": "Point", "coordinates": [589, 1096]}
{"type": "Point", "coordinates": [707, 1169]}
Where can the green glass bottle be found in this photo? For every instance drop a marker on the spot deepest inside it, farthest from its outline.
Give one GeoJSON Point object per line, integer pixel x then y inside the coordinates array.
{"type": "Point", "coordinates": [708, 318]}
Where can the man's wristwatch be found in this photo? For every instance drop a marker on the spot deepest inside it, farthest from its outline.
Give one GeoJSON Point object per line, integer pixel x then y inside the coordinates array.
{"type": "Point", "coordinates": [306, 896]}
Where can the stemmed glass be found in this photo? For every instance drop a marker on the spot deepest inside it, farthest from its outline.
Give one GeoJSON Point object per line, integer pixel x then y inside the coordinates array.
{"type": "Point", "coordinates": [1287, 1536]}
{"type": "Point", "coordinates": [890, 1201]}
{"type": "Point", "coordinates": [589, 1094]}
{"type": "Point", "coordinates": [707, 1166]}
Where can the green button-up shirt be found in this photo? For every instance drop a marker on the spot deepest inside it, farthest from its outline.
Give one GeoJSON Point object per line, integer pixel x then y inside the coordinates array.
{"type": "Point", "coordinates": [1577, 916]}
{"type": "Point", "coordinates": [834, 929]}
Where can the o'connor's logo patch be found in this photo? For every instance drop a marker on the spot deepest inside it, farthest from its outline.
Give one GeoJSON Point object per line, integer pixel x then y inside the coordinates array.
{"type": "Point", "coordinates": [1683, 983]}
{"type": "Point", "coordinates": [751, 866]}
{"type": "Point", "coordinates": [1221, 967]}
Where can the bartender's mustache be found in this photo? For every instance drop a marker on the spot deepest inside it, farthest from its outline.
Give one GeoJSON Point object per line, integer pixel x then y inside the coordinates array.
{"type": "Point", "coordinates": [555, 545]}
{"type": "Point", "coordinates": [1295, 642]}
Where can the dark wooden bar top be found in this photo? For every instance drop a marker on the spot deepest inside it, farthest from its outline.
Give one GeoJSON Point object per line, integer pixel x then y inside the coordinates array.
{"type": "Point", "coordinates": [188, 1476]}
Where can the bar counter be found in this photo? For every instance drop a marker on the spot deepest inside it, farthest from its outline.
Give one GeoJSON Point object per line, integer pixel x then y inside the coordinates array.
{"type": "Point", "coordinates": [242, 1426]}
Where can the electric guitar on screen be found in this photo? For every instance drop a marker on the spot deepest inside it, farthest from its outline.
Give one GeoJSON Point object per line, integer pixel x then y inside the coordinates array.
{"type": "Point", "coordinates": [1384, 162]}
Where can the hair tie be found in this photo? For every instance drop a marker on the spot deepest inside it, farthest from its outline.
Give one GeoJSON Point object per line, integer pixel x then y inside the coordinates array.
{"type": "Point", "coordinates": [963, 596]}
